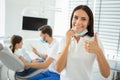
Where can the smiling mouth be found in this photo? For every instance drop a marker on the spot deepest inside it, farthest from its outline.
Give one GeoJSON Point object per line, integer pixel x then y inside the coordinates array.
{"type": "Point", "coordinates": [75, 29]}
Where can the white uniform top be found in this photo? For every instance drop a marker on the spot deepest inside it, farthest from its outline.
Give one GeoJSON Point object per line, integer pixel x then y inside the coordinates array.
{"type": "Point", "coordinates": [22, 52]}
{"type": "Point", "coordinates": [79, 61]}
{"type": "Point", "coordinates": [52, 52]}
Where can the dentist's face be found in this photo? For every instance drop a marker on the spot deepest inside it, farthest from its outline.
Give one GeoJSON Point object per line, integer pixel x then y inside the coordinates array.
{"type": "Point", "coordinates": [80, 20]}
{"type": "Point", "coordinates": [42, 35]}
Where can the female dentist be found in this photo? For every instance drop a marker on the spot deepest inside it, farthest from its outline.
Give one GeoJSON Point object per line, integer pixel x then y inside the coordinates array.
{"type": "Point", "coordinates": [80, 48]}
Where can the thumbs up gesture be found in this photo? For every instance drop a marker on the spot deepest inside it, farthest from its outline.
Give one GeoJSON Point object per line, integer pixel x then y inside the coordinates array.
{"type": "Point", "coordinates": [92, 46]}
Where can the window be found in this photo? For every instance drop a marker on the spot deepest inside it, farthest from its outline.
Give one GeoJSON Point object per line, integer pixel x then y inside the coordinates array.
{"type": "Point", "coordinates": [2, 13]}
{"type": "Point", "coordinates": [107, 23]}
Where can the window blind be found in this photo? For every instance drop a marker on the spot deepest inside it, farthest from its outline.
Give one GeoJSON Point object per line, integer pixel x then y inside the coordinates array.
{"type": "Point", "coordinates": [107, 24]}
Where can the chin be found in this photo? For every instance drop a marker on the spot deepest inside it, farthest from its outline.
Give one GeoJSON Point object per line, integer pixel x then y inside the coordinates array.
{"type": "Point", "coordinates": [79, 31]}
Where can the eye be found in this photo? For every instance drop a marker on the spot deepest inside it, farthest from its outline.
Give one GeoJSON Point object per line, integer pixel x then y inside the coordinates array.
{"type": "Point", "coordinates": [83, 18]}
{"type": "Point", "coordinates": [75, 17]}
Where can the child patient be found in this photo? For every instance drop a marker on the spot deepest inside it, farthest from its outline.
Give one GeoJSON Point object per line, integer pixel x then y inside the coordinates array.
{"type": "Point", "coordinates": [16, 47]}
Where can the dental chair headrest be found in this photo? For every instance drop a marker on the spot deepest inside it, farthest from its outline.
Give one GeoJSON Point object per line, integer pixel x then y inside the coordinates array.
{"type": "Point", "coordinates": [1, 46]}
{"type": "Point", "coordinates": [10, 60]}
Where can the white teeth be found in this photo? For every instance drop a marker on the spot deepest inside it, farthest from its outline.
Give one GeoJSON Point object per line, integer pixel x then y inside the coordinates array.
{"type": "Point", "coordinates": [74, 28]}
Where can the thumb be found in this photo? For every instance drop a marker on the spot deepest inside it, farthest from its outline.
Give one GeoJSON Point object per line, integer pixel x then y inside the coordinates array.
{"type": "Point", "coordinates": [95, 36]}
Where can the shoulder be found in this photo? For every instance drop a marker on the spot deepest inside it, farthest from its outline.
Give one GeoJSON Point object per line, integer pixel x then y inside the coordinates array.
{"type": "Point", "coordinates": [91, 38]}
{"type": "Point", "coordinates": [88, 37]}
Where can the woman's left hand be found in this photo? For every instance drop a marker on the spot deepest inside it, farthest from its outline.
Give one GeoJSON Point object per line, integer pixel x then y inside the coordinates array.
{"type": "Point", "coordinates": [92, 46]}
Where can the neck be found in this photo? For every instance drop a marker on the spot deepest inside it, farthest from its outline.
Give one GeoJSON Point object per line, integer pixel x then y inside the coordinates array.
{"type": "Point", "coordinates": [50, 39]}
{"type": "Point", "coordinates": [77, 38]}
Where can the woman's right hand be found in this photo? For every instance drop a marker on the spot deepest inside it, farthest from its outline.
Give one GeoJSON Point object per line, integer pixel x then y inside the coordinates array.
{"type": "Point", "coordinates": [69, 34]}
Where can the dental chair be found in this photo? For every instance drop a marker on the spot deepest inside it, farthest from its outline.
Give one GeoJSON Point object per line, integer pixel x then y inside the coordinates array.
{"type": "Point", "coordinates": [14, 64]}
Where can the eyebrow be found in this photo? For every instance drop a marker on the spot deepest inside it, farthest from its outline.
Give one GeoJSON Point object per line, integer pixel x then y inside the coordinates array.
{"type": "Point", "coordinates": [81, 17]}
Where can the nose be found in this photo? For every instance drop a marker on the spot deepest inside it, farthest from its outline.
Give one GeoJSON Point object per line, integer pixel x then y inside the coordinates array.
{"type": "Point", "coordinates": [78, 22]}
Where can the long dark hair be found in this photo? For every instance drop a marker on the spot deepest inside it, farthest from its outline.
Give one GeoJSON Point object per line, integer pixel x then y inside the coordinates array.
{"type": "Point", "coordinates": [90, 26]}
{"type": "Point", "coordinates": [14, 40]}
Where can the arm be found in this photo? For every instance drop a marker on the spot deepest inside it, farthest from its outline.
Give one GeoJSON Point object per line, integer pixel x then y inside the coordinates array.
{"type": "Point", "coordinates": [62, 58]}
{"type": "Point", "coordinates": [103, 64]}
{"type": "Point", "coordinates": [39, 54]}
{"type": "Point", "coordinates": [39, 65]}
{"type": "Point", "coordinates": [61, 61]}
{"type": "Point", "coordinates": [93, 47]}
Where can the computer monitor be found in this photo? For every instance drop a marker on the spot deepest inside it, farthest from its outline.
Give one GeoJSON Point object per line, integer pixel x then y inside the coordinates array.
{"type": "Point", "coordinates": [33, 23]}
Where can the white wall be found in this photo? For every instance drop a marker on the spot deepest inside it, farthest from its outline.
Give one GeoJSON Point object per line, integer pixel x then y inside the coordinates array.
{"type": "Point", "coordinates": [15, 9]}
{"type": "Point", "coordinates": [61, 17]}
{"type": "Point", "coordinates": [2, 15]}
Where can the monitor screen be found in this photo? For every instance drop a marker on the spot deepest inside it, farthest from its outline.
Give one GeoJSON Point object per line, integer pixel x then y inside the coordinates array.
{"type": "Point", "coordinates": [33, 23]}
